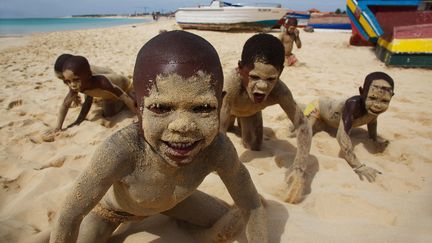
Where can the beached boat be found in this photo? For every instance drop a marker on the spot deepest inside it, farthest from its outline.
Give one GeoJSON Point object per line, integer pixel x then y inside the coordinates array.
{"type": "Point", "coordinates": [400, 29]}
{"type": "Point", "coordinates": [225, 16]}
{"type": "Point", "coordinates": [330, 21]}
{"type": "Point", "coordinates": [301, 16]}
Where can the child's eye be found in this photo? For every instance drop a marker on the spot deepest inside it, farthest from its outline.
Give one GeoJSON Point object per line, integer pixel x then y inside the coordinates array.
{"type": "Point", "coordinates": [254, 77]}
{"type": "Point", "coordinates": [159, 109]}
{"type": "Point", "coordinates": [270, 79]}
{"type": "Point", "coordinates": [206, 108]}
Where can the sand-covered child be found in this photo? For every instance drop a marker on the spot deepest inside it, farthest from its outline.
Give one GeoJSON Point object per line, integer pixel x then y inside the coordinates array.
{"type": "Point", "coordinates": [156, 165]}
{"type": "Point", "coordinates": [58, 71]}
{"type": "Point", "coordinates": [114, 89]}
{"type": "Point", "coordinates": [255, 85]}
{"type": "Point", "coordinates": [290, 36]}
{"type": "Point", "coordinates": [359, 110]}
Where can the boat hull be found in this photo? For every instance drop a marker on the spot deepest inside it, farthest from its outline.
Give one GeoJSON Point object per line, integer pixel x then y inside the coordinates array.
{"type": "Point", "coordinates": [362, 13]}
{"type": "Point", "coordinates": [330, 21]}
{"type": "Point", "coordinates": [408, 46]}
{"type": "Point", "coordinates": [302, 18]}
{"type": "Point", "coordinates": [229, 18]}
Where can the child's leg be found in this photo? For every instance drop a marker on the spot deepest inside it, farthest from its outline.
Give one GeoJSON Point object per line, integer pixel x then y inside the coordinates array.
{"type": "Point", "coordinates": [111, 107]}
{"type": "Point", "coordinates": [199, 209]}
{"type": "Point", "coordinates": [231, 123]}
{"type": "Point", "coordinates": [209, 219]}
{"type": "Point", "coordinates": [290, 60]}
{"type": "Point", "coordinates": [95, 228]}
{"type": "Point", "coordinates": [252, 131]}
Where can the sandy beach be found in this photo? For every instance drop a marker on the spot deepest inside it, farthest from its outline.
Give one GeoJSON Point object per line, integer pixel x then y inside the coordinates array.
{"type": "Point", "coordinates": [36, 175]}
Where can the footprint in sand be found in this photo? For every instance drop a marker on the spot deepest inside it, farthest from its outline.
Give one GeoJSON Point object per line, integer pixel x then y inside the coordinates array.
{"type": "Point", "coordinates": [107, 123]}
{"type": "Point", "coordinates": [56, 163]}
{"type": "Point", "coordinates": [48, 136]}
{"type": "Point", "coordinates": [398, 136]}
{"type": "Point", "coordinates": [10, 184]}
{"type": "Point", "coordinates": [14, 103]}
{"type": "Point", "coordinates": [338, 206]}
{"type": "Point", "coordinates": [405, 100]}
{"type": "Point", "coordinates": [284, 160]}
{"type": "Point", "coordinates": [51, 216]}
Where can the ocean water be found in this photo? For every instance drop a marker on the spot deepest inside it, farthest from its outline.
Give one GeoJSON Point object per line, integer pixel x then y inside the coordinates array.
{"type": "Point", "coordinates": [13, 27]}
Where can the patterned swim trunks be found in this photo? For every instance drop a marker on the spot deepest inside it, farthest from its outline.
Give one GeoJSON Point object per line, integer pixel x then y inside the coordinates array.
{"type": "Point", "coordinates": [312, 110]}
{"type": "Point", "coordinates": [115, 216]}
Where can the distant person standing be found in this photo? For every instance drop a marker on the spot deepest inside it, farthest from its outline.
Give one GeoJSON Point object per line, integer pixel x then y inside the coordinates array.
{"type": "Point", "coordinates": [288, 37]}
{"type": "Point", "coordinates": [155, 16]}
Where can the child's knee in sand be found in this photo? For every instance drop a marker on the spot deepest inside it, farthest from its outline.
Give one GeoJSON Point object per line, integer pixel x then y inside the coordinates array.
{"type": "Point", "coordinates": [156, 165]}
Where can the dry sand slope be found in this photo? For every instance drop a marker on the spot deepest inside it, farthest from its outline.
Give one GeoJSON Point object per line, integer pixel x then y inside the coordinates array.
{"type": "Point", "coordinates": [36, 175]}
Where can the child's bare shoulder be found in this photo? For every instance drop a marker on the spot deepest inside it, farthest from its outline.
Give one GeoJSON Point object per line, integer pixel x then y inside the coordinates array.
{"type": "Point", "coordinates": [126, 142]}
{"type": "Point", "coordinates": [231, 77]}
{"type": "Point", "coordinates": [222, 151]}
{"type": "Point", "coordinates": [232, 83]}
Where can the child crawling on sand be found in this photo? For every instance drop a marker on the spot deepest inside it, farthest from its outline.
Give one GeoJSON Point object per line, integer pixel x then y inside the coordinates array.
{"type": "Point", "coordinates": [58, 71]}
{"type": "Point", "coordinates": [94, 82]}
{"type": "Point", "coordinates": [156, 165]}
{"type": "Point", "coordinates": [288, 38]}
{"type": "Point", "coordinates": [374, 99]}
{"type": "Point", "coordinates": [254, 85]}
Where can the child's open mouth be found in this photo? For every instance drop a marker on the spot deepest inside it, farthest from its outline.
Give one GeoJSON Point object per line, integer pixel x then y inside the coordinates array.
{"type": "Point", "coordinates": [375, 112]}
{"type": "Point", "coordinates": [258, 97]}
{"type": "Point", "coordinates": [178, 151]}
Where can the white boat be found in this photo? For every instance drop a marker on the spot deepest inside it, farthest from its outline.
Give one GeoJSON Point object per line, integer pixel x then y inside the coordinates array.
{"type": "Point", "coordinates": [225, 16]}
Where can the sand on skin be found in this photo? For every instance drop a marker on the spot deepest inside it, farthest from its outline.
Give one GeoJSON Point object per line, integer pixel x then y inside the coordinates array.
{"type": "Point", "coordinates": [35, 175]}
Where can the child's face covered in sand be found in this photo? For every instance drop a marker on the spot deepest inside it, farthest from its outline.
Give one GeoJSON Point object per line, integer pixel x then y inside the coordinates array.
{"type": "Point", "coordinates": [259, 81]}
{"type": "Point", "coordinates": [378, 98]}
{"type": "Point", "coordinates": [180, 117]}
{"type": "Point", "coordinates": [291, 29]}
{"type": "Point", "coordinates": [72, 80]}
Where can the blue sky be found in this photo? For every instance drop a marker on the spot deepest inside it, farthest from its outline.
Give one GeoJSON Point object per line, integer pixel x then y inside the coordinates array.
{"type": "Point", "coordinates": [61, 8]}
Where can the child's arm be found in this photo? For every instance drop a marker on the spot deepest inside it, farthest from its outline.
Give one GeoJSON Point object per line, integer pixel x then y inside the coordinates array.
{"type": "Point", "coordinates": [106, 166]}
{"type": "Point", "coordinates": [297, 38]}
{"type": "Point", "coordinates": [64, 108]}
{"type": "Point", "coordinates": [237, 180]}
{"type": "Point", "coordinates": [281, 37]}
{"type": "Point", "coordinates": [346, 146]}
{"type": "Point", "coordinates": [225, 114]}
{"type": "Point", "coordinates": [372, 131]}
{"type": "Point", "coordinates": [114, 89]}
{"type": "Point", "coordinates": [295, 175]}
{"type": "Point", "coordinates": [84, 111]}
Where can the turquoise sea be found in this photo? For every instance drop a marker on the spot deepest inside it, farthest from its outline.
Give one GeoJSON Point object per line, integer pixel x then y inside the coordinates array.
{"type": "Point", "coordinates": [13, 27]}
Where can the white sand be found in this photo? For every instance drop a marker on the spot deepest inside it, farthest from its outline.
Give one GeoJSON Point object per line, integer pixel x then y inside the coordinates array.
{"type": "Point", "coordinates": [35, 176]}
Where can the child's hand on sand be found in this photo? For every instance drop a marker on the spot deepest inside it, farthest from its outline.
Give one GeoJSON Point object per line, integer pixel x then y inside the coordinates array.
{"type": "Point", "coordinates": [224, 229]}
{"type": "Point", "coordinates": [381, 144]}
{"type": "Point", "coordinates": [75, 123]}
{"type": "Point", "coordinates": [50, 134]}
{"type": "Point", "coordinates": [368, 172]}
{"type": "Point", "coordinates": [295, 180]}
